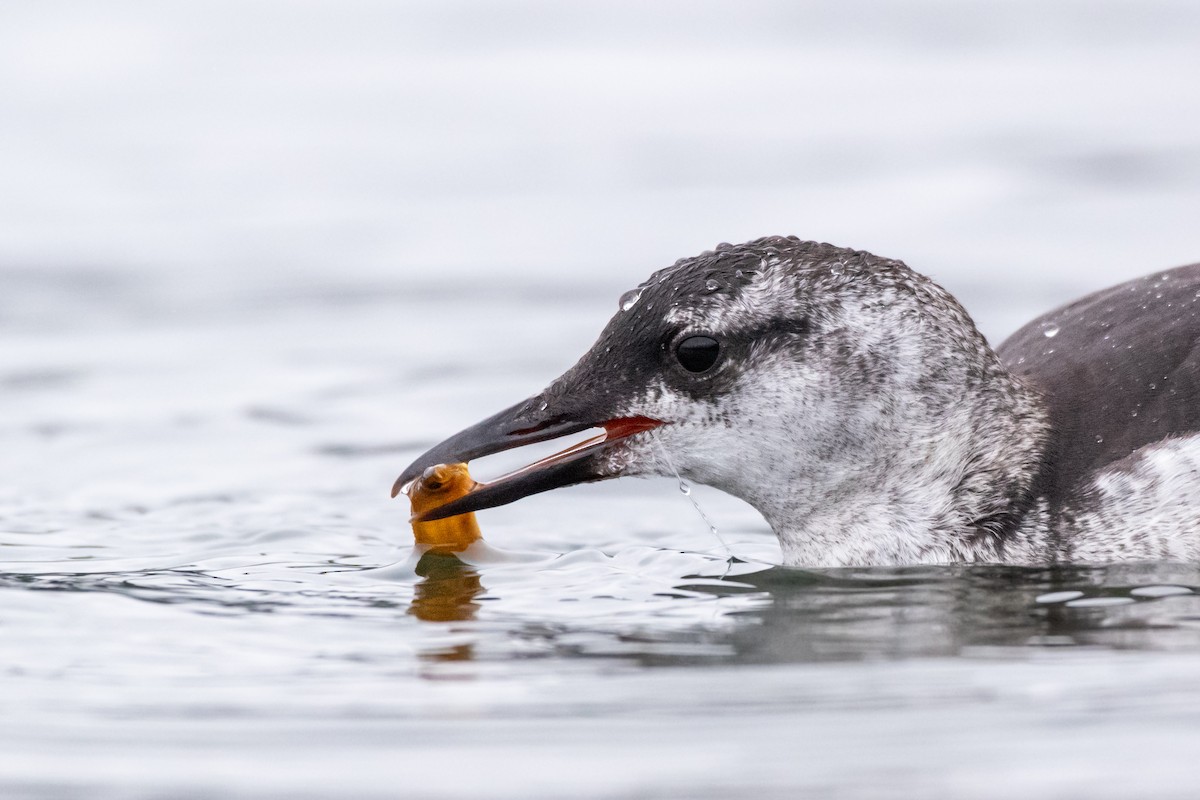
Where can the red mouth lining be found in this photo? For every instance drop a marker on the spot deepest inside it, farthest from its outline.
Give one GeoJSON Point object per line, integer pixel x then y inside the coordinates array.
{"type": "Point", "coordinates": [627, 426]}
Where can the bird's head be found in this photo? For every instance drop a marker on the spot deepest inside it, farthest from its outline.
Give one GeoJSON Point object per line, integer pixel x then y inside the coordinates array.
{"type": "Point", "coordinates": [784, 372]}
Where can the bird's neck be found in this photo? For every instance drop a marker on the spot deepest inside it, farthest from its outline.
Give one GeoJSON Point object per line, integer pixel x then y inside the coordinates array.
{"type": "Point", "coordinates": [954, 480]}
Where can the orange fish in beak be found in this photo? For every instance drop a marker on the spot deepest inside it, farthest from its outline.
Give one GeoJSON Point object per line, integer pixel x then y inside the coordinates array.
{"type": "Point", "coordinates": [437, 486]}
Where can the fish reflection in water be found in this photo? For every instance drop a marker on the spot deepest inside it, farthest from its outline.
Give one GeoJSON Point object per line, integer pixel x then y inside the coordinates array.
{"type": "Point", "coordinates": [447, 589]}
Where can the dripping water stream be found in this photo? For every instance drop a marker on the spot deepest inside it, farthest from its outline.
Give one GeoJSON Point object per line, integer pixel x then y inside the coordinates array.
{"type": "Point", "coordinates": [685, 488]}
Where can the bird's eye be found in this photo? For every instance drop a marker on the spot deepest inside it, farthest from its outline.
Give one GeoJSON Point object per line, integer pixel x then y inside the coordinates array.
{"type": "Point", "coordinates": [698, 353]}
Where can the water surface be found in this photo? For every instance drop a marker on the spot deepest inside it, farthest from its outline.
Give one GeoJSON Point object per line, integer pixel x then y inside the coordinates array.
{"type": "Point", "coordinates": [208, 593]}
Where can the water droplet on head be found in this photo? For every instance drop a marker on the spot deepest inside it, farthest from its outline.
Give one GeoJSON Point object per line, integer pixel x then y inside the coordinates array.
{"type": "Point", "coordinates": [837, 269]}
{"type": "Point", "coordinates": [1099, 440]}
{"type": "Point", "coordinates": [630, 298]}
{"type": "Point", "coordinates": [711, 285]}
{"type": "Point", "coordinates": [543, 406]}
{"type": "Point", "coordinates": [1050, 332]}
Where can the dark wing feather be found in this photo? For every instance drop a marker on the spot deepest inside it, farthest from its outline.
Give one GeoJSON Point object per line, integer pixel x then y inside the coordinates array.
{"type": "Point", "coordinates": [1120, 370]}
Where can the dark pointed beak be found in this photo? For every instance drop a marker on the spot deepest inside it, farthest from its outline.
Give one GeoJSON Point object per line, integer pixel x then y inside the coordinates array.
{"type": "Point", "coordinates": [514, 427]}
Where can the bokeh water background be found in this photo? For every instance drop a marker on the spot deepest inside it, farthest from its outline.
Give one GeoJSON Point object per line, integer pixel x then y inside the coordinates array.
{"type": "Point", "coordinates": [255, 256]}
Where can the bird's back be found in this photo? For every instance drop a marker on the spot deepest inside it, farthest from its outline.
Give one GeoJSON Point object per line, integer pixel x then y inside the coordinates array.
{"type": "Point", "coordinates": [1120, 369]}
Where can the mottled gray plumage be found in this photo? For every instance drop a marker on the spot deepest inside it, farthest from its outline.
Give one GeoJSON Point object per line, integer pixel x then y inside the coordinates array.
{"type": "Point", "coordinates": [860, 410]}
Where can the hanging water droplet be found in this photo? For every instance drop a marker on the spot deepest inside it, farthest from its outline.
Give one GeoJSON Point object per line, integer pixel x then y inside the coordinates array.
{"type": "Point", "coordinates": [1050, 332]}
{"type": "Point", "coordinates": [684, 487]}
{"type": "Point", "coordinates": [711, 285]}
{"type": "Point", "coordinates": [630, 298]}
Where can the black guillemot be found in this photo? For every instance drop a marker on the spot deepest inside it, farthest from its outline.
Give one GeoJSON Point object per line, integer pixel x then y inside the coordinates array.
{"type": "Point", "coordinates": [853, 402]}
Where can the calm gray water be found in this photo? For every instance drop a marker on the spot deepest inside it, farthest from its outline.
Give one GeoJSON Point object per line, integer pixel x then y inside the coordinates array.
{"type": "Point", "coordinates": [255, 256]}
{"type": "Point", "coordinates": [207, 593]}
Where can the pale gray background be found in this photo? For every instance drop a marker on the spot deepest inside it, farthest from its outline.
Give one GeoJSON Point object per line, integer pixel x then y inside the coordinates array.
{"type": "Point", "coordinates": [282, 146]}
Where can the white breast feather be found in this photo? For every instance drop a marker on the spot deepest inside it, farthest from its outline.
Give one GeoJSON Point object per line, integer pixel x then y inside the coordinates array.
{"type": "Point", "coordinates": [1147, 507]}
